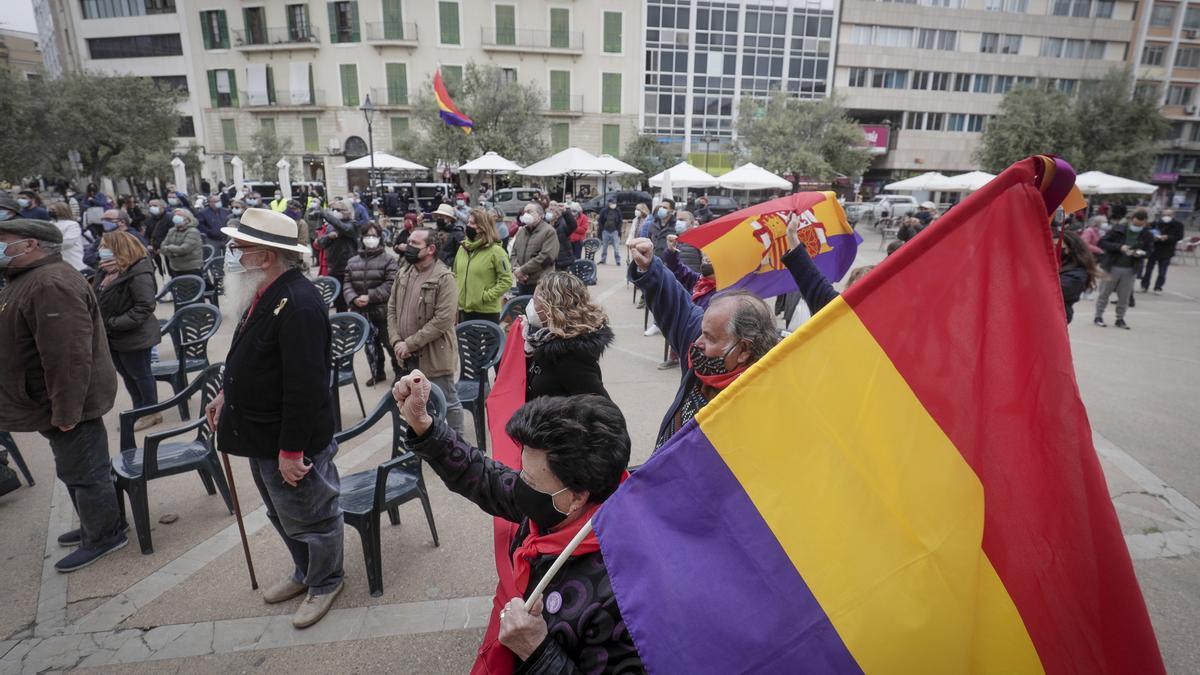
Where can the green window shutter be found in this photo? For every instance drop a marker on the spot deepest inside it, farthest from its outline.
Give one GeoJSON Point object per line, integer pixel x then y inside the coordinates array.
{"type": "Point", "coordinates": [233, 99]}
{"type": "Point", "coordinates": [560, 90]}
{"type": "Point", "coordinates": [249, 34]}
{"type": "Point", "coordinates": [333, 24]}
{"type": "Point", "coordinates": [355, 35]}
{"type": "Point", "coordinates": [291, 23]}
{"type": "Point", "coordinates": [311, 142]}
{"type": "Point", "coordinates": [560, 136]}
{"type": "Point", "coordinates": [397, 83]}
{"type": "Point", "coordinates": [393, 20]}
{"type": "Point", "coordinates": [560, 27]}
{"type": "Point", "coordinates": [271, 86]}
{"type": "Point", "coordinates": [223, 29]}
{"type": "Point", "coordinates": [312, 87]}
{"type": "Point", "coordinates": [206, 29]}
{"type": "Point", "coordinates": [612, 32]}
{"type": "Point", "coordinates": [229, 135]}
{"type": "Point", "coordinates": [506, 25]}
{"type": "Point", "coordinates": [212, 88]}
{"type": "Point", "coordinates": [448, 17]}
{"type": "Point", "coordinates": [349, 73]}
{"type": "Point", "coordinates": [268, 125]}
{"type": "Point", "coordinates": [399, 130]}
{"type": "Point", "coordinates": [610, 101]}
{"type": "Point", "coordinates": [610, 139]}
{"type": "Point", "coordinates": [452, 77]}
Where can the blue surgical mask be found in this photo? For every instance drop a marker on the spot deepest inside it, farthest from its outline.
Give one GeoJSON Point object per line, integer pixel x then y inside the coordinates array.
{"type": "Point", "coordinates": [178, 220]}
{"type": "Point", "coordinates": [155, 210]}
{"type": "Point", "coordinates": [105, 253]}
{"type": "Point", "coordinates": [173, 201]}
{"type": "Point", "coordinates": [23, 203]}
{"type": "Point", "coordinates": [1135, 228]}
{"type": "Point", "coordinates": [233, 261]}
{"type": "Point", "coordinates": [662, 213]}
{"type": "Point", "coordinates": [252, 202]}
{"type": "Point", "coordinates": [5, 259]}
{"type": "Point", "coordinates": [680, 227]}
{"type": "Point", "coordinates": [110, 225]}
{"type": "Point", "coordinates": [5, 214]}
{"type": "Point", "coordinates": [237, 211]}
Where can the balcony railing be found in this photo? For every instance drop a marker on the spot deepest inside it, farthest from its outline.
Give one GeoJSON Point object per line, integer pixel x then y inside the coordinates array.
{"type": "Point", "coordinates": [569, 105]}
{"type": "Point", "coordinates": [301, 37]}
{"type": "Point", "coordinates": [392, 31]}
{"type": "Point", "coordinates": [527, 39]}
{"type": "Point", "coordinates": [283, 98]}
{"type": "Point", "coordinates": [382, 96]}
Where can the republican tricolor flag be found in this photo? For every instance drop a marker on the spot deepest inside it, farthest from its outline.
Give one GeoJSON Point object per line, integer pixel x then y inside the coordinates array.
{"type": "Point", "coordinates": [449, 112]}
{"type": "Point", "coordinates": [907, 484]}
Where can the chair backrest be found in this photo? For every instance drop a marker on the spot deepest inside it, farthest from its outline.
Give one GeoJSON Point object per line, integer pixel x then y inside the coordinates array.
{"type": "Point", "coordinates": [186, 289]}
{"type": "Point", "coordinates": [214, 275]}
{"type": "Point", "coordinates": [209, 251]}
{"type": "Point", "coordinates": [480, 344]}
{"type": "Point", "coordinates": [214, 381]}
{"type": "Point", "coordinates": [585, 270]}
{"type": "Point", "coordinates": [190, 329]}
{"type": "Point", "coordinates": [329, 288]}
{"type": "Point", "coordinates": [387, 405]}
{"type": "Point", "coordinates": [590, 246]}
{"type": "Point", "coordinates": [348, 334]}
{"type": "Point", "coordinates": [514, 308]}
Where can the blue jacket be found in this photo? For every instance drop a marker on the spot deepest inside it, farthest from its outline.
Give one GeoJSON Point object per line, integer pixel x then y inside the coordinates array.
{"type": "Point", "coordinates": [210, 223]}
{"type": "Point", "coordinates": [679, 319]}
{"type": "Point", "coordinates": [361, 214]}
{"type": "Point", "coordinates": [36, 213]}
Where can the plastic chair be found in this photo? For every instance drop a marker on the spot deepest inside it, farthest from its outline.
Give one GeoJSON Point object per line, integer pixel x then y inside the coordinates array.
{"type": "Point", "coordinates": [480, 344]}
{"type": "Point", "coordinates": [136, 466]}
{"type": "Point", "coordinates": [1187, 249]}
{"type": "Point", "coordinates": [214, 280]}
{"type": "Point", "coordinates": [190, 330]}
{"type": "Point", "coordinates": [590, 246]}
{"type": "Point", "coordinates": [187, 289]}
{"type": "Point", "coordinates": [585, 270]}
{"type": "Point", "coordinates": [329, 287]}
{"type": "Point", "coordinates": [7, 442]}
{"type": "Point", "coordinates": [514, 308]}
{"type": "Point", "coordinates": [367, 494]}
{"type": "Point", "coordinates": [208, 251]}
{"type": "Point", "coordinates": [349, 332]}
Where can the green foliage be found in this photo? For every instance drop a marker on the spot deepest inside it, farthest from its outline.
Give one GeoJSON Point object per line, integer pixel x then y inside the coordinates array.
{"type": "Point", "coordinates": [1031, 121]}
{"type": "Point", "coordinates": [100, 117]}
{"type": "Point", "coordinates": [809, 138]}
{"type": "Point", "coordinates": [266, 149]}
{"type": "Point", "coordinates": [646, 153]}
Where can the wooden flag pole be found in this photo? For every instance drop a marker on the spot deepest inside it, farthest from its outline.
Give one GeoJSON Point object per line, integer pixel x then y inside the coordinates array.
{"type": "Point", "coordinates": [562, 559]}
{"type": "Point", "coordinates": [237, 512]}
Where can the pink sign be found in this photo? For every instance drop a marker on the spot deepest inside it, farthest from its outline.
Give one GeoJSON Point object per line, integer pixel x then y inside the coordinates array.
{"type": "Point", "coordinates": [877, 136]}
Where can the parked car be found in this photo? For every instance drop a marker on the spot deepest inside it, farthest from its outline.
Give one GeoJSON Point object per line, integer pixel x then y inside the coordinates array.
{"type": "Point", "coordinates": [511, 201]}
{"type": "Point", "coordinates": [893, 206]}
{"type": "Point", "coordinates": [627, 200]}
{"type": "Point", "coordinates": [721, 205]}
{"type": "Point", "coordinates": [855, 211]}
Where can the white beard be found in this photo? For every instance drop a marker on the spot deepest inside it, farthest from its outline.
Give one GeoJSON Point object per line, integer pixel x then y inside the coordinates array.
{"type": "Point", "coordinates": [240, 289]}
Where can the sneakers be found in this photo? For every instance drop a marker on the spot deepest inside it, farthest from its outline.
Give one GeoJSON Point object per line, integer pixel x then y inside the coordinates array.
{"type": "Point", "coordinates": [1121, 324]}
{"type": "Point", "coordinates": [283, 591]}
{"type": "Point", "coordinates": [147, 422]}
{"type": "Point", "coordinates": [1100, 322]}
{"type": "Point", "coordinates": [84, 556]}
{"type": "Point", "coordinates": [1158, 291]}
{"type": "Point", "coordinates": [652, 330]}
{"type": "Point", "coordinates": [1143, 289]}
{"type": "Point", "coordinates": [315, 607]}
{"type": "Point", "coordinates": [75, 537]}
{"type": "Point", "coordinates": [668, 364]}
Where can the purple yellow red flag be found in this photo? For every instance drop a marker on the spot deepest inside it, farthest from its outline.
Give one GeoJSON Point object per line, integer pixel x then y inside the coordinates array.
{"type": "Point", "coordinates": [449, 112]}
{"type": "Point", "coordinates": [907, 484]}
{"type": "Point", "coordinates": [747, 247]}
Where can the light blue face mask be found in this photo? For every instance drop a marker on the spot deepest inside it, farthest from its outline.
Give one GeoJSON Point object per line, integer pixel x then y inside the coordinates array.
{"type": "Point", "coordinates": [5, 259]}
{"type": "Point", "coordinates": [105, 253]}
{"type": "Point", "coordinates": [662, 213]}
{"type": "Point", "coordinates": [154, 210]}
{"type": "Point", "coordinates": [680, 227]}
{"type": "Point", "coordinates": [178, 220]}
{"type": "Point", "coordinates": [5, 214]}
{"type": "Point", "coordinates": [233, 261]}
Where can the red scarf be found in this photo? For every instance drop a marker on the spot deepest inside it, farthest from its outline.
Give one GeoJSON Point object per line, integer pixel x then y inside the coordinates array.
{"type": "Point", "coordinates": [703, 286]}
{"type": "Point", "coordinates": [718, 381]}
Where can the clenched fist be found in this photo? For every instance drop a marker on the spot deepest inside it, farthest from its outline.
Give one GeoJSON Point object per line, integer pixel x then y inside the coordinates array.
{"type": "Point", "coordinates": [642, 252]}
{"type": "Point", "coordinates": [412, 396]}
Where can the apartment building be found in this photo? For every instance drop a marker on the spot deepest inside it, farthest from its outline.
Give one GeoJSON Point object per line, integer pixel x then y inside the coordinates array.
{"type": "Point", "coordinates": [20, 53]}
{"type": "Point", "coordinates": [929, 74]}
{"type": "Point", "coordinates": [303, 70]}
{"type": "Point", "coordinates": [1166, 62]}
{"type": "Point", "coordinates": [703, 56]}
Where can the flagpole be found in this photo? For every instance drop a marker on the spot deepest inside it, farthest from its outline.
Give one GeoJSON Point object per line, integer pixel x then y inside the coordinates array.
{"type": "Point", "coordinates": [562, 559]}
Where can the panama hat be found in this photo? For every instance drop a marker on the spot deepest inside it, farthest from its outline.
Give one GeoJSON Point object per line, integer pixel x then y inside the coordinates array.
{"type": "Point", "coordinates": [445, 210]}
{"type": "Point", "coordinates": [267, 228]}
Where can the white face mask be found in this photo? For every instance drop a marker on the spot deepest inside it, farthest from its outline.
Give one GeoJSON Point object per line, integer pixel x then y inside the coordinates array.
{"type": "Point", "coordinates": [528, 218]}
{"type": "Point", "coordinates": [531, 315]}
{"type": "Point", "coordinates": [370, 242]}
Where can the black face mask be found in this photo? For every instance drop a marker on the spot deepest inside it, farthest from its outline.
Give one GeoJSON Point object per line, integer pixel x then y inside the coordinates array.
{"type": "Point", "coordinates": [472, 233]}
{"type": "Point", "coordinates": [537, 506]}
{"type": "Point", "coordinates": [706, 269]}
{"type": "Point", "coordinates": [412, 254]}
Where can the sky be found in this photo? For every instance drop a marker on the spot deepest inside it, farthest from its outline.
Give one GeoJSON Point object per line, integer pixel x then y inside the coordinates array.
{"type": "Point", "coordinates": [18, 15]}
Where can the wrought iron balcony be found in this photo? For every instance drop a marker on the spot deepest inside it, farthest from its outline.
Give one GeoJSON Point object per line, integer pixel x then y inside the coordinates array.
{"type": "Point", "coordinates": [508, 39]}
{"type": "Point", "coordinates": [263, 39]}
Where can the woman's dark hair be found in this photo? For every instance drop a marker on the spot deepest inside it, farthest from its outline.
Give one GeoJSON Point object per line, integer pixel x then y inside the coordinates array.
{"type": "Point", "coordinates": [371, 225]}
{"type": "Point", "coordinates": [1076, 252]}
{"type": "Point", "coordinates": [584, 436]}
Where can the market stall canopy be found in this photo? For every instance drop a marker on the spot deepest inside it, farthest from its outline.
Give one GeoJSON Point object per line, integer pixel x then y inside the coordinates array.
{"type": "Point", "coordinates": [490, 162]}
{"type": "Point", "coordinates": [926, 182]}
{"type": "Point", "coordinates": [750, 176]}
{"type": "Point", "coordinates": [1100, 183]}
{"type": "Point", "coordinates": [611, 165]}
{"type": "Point", "coordinates": [684, 175]}
{"type": "Point", "coordinates": [570, 161]}
{"type": "Point", "coordinates": [384, 161]}
{"type": "Point", "coordinates": [968, 182]}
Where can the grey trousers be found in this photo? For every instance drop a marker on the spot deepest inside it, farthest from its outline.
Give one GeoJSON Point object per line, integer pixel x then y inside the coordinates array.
{"type": "Point", "coordinates": [454, 409]}
{"type": "Point", "coordinates": [308, 517]}
{"type": "Point", "coordinates": [82, 463]}
{"type": "Point", "coordinates": [1120, 279]}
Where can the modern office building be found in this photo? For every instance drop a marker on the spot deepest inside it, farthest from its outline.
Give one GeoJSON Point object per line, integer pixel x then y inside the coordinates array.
{"type": "Point", "coordinates": [930, 73]}
{"type": "Point", "coordinates": [703, 56]}
{"type": "Point", "coordinates": [303, 70]}
{"type": "Point", "coordinates": [1166, 62]}
{"type": "Point", "coordinates": [20, 53]}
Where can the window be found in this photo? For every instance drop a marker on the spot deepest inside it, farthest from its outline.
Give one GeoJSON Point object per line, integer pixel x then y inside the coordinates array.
{"type": "Point", "coordinates": [962, 82]}
{"type": "Point", "coordinates": [610, 139]}
{"type": "Point", "coordinates": [399, 130]}
{"type": "Point", "coordinates": [1095, 49]}
{"type": "Point", "coordinates": [560, 136]}
{"type": "Point", "coordinates": [452, 77]}
{"type": "Point", "coordinates": [1076, 8]}
{"type": "Point", "coordinates": [1067, 86]}
{"type": "Point", "coordinates": [1004, 84]}
{"type": "Point", "coordinates": [1162, 15]}
{"type": "Point", "coordinates": [397, 83]}
{"type": "Point", "coordinates": [109, 9]}
{"type": "Point", "coordinates": [976, 123]}
{"type": "Point", "coordinates": [343, 22]}
{"type": "Point", "coordinates": [1178, 94]}
{"type": "Point", "coordinates": [267, 124]}
{"type": "Point", "coordinates": [1191, 18]}
{"type": "Point", "coordinates": [229, 135]}
{"type": "Point", "coordinates": [1194, 136]}
{"type": "Point", "coordinates": [214, 30]}
{"type": "Point", "coordinates": [1186, 57]}
{"type": "Point", "coordinates": [560, 28]}
{"type": "Point", "coordinates": [610, 95]}
{"type": "Point", "coordinates": [393, 20]}
{"type": "Point", "coordinates": [299, 29]}
{"type": "Point", "coordinates": [1146, 91]}
{"type": "Point", "coordinates": [1074, 49]}
{"type": "Point", "coordinates": [448, 33]}
{"type": "Point", "coordinates": [308, 126]}
{"type": "Point", "coordinates": [920, 79]}
{"type": "Point", "coordinates": [914, 120]}
{"type": "Point", "coordinates": [560, 90]}
{"type": "Point", "coordinates": [989, 43]}
{"type": "Point", "coordinates": [1010, 44]}
{"type": "Point", "coordinates": [135, 46]}
{"type": "Point", "coordinates": [222, 88]}
{"type": "Point", "coordinates": [1013, 6]}
{"type": "Point", "coordinates": [612, 32]}
{"type": "Point", "coordinates": [187, 127]}
{"type": "Point", "coordinates": [858, 77]}
{"type": "Point", "coordinates": [883, 36]}
{"type": "Point", "coordinates": [348, 73]}
{"type": "Point", "coordinates": [506, 25]}
{"type": "Point", "coordinates": [1104, 9]}
{"type": "Point", "coordinates": [176, 82]}
{"type": "Point", "coordinates": [939, 81]}
{"type": "Point", "coordinates": [255, 20]}
{"type": "Point", "coordinates": [1026, 81]}
{"type": "Point", "coordinates": [933, 121]}
{"type": "Point", "coordinates": [983, 84]}
{"type": "Point", "coordinates": [956, 122]}
{"type": "Point", "coordinates": [1152, 55]}
{"type": "Point", "coordinates": [508, 76]}
{"type": "Point", "coordinates": [928, 38]}
{"type": "Point", "coordinates": [883, 78]}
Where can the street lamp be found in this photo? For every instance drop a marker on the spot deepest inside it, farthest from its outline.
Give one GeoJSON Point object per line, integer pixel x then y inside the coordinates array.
{"type": "Point", "coordinates": [368, 109]}
{"type": "Point", "coordinates": [708, 138]}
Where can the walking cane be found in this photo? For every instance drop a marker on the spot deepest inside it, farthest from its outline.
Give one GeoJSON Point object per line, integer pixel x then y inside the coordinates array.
{"type": "Point", "coordinates": [237, 512]}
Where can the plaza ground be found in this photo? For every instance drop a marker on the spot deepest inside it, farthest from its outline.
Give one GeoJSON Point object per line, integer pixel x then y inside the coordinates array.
{"type": "Point", "coordinates": [188, 607]}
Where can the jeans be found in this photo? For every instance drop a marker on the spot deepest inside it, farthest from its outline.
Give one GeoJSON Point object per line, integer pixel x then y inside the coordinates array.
{"type": "Point", "coordinates": [1120, 279]}
{"type": "Point", "coordinates": [454, 409]}
{"type": "Point", "coordinates": [607, 239]}
{"type": "Point", "coordinates": [82, 463]}
{"type": "Point", "coordinates": [1162, 263]}
{"type": "Point", "coordinates": [134, 369]}
{"type": "Point", "coordinates": [308, 517]}
{"type": "Point", "coordinates": [378, 342]}
{"type": "Point", "coordinates": [577, 249]}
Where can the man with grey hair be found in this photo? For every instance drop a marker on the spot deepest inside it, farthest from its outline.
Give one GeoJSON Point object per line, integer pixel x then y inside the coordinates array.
{"type": "Point", "coordinates": [59, 379]}
{"type": "Point", "coordinates": [722, 341]}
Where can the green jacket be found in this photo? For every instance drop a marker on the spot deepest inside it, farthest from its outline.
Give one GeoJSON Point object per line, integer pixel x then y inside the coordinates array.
{"type": "Point", "coordinates": [483, 277]}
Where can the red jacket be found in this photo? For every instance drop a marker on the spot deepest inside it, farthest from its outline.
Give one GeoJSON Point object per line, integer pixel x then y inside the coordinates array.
{"type": "Point", "coordinates": [581, 229]}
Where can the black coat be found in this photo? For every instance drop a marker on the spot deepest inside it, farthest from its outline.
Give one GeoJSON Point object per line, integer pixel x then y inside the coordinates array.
{"type": "Point", "coordinates": [568, 366]}
{"type": "Point", "coordinates": [340, 249]}
{"type": "Point", "coordinates": [452, 238]}
{"type": "Point", "coordinates": [277, 374]}
{"type": "Point", "coordinates": [1115, 239]}
{"type": "Point", "coordinates": [564, 227]}
{"type": "Point", "coordinates": [1073, 280]}
{"type": "Point", "coordinates": [127, 305]}
{"type": "Point", "coordinates": [370, 273]}
{"type": "Point", "coordinates": [610, 220]}
{"type": "Point", "coordinates": [1165, 250]}
{"type": "Point", "coordinates": [158, 226]}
